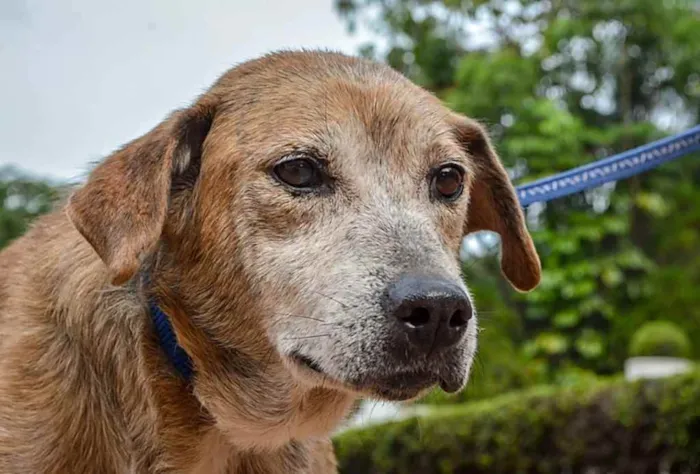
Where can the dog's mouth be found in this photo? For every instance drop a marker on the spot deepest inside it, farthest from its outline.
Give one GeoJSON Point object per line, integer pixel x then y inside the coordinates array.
{"type": "Point", "coordinates": [400, 385]}
{"type": "Point", "coordinates": [307, 363]}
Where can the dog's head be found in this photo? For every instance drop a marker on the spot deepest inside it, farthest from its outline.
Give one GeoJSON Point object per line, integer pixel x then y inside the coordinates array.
{"type": "Point", "coordinates": [309, 209]}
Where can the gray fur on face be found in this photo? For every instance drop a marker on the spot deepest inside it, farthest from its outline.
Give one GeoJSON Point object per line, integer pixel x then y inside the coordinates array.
{"type": "Point", "coordinates": [330, 278]}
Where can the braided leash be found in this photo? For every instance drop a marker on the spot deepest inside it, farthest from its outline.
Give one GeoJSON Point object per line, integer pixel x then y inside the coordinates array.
{"type": "Point", "coordinates": [613, 168]}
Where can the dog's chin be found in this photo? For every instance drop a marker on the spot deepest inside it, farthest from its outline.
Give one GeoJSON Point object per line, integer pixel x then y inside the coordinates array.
{"type": "Point", "coordinates": [399, 385]}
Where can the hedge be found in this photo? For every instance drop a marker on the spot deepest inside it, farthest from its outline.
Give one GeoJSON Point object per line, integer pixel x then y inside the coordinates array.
{"type": "Point", "coordinates": [660, 338]}
{"type": "Point", "coordinates": [610, 426]}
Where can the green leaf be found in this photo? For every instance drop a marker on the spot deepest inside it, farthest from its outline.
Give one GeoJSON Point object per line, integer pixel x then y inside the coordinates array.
{"type": "Point", "coordinates": [552, 343]}
{"type": "Point", "coordinates": [567, 247]}
{"type": "Point", "coordinates": [567, 319]}
{"type": "Point", "coordinates": [578, 289]}
{"type": "Point", "coordinates": [612, 276]}
{"type": "Point", "coordinates": [590, 344]}
{"type": "Point", "coordinates": [616, 225]}
{"type": "Point", "coordinates": [653, 203]}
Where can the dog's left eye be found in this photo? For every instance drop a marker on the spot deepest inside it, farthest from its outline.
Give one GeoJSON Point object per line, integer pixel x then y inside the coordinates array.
{"type": "Point", "coordinates": [448, 182]}
{"type": "Point", "coordinates": [300, 173]}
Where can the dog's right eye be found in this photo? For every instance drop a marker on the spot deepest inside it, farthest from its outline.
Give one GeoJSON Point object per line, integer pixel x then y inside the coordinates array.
{"type": "Point", "coordinates": [299, 173]}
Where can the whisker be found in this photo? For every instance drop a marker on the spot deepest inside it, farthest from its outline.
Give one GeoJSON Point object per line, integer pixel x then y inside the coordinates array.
{"type": "Point", "coordinates": [486, 316]}
{"type": "Point", "coordinates": [364, 265]}
{"type": "Point", "coordinates": [300, 316]}
{"type": "Point", "coordinates": [332, 299]}
{"type": "Point", "coordinates": [478, 368]}
{"type": "Point", "coordinates": [374, 404]}
{"type": "Point", "coordinates": [306, 337]}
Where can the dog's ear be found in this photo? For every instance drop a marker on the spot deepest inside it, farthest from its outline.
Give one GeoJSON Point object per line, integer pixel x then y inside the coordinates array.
{"type": "Point", "coordinates": [494, 206]}
{"type": "Point", "coordinates": [122, 207]}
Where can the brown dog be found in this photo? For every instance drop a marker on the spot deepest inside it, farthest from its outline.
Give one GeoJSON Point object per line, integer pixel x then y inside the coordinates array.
{"type": "Point", "coordinates": [299, 225]}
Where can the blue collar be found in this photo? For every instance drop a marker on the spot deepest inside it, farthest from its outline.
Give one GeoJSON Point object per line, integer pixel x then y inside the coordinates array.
{"type": "Point", "coordinates": [168, 341]}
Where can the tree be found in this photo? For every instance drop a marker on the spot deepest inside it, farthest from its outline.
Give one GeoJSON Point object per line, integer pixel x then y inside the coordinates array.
{"type": "Point", "coordinates": [21, 200]}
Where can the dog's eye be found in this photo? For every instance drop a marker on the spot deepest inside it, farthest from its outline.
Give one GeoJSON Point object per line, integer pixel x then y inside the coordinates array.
{"type": "Point", "coordinates": [448, 182]}
{"type": "Point", "coordinates": [299, 173]}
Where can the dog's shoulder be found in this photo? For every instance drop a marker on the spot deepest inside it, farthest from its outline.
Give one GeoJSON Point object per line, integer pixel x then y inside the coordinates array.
{"type": "Point", "coordinates": [57, 352]}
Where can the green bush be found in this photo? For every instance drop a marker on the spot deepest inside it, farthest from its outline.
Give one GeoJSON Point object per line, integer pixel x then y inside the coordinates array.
{"type": "Point", "coordinates": [660, 338]}
{"type": "Point", "coordinates": [609, 426]}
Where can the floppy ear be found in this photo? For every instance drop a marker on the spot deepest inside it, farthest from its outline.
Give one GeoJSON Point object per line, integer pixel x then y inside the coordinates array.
{"type": "Point", "coordinates": [121, 209]}
{"type": "Point", "coordinates": [494, 206]}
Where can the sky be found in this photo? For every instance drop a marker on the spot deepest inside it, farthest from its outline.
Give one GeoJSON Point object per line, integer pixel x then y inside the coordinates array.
{"type": "Point", "coordinates": [78, 78]}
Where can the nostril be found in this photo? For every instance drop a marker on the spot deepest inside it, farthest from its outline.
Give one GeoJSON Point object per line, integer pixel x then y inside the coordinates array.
{"type": "Point", "coordinates": [458, 319]}
{"type": "Point", "coordinates": [418, 317]}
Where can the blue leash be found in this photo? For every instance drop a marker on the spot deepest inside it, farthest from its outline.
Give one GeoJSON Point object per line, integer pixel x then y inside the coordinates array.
{"type": "Point", "coordinates": [614, 168]}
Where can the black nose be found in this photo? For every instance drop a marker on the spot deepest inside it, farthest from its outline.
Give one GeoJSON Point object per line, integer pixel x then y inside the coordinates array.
{"type": "Point", "coordinates": [432, 311]}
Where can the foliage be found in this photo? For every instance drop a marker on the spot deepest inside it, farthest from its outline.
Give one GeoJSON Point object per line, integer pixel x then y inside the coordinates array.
{"type": "Point", "coordinates": [21, 199]}
{"type": "Point", "coordinates": [603, 426]}
{"type": "Point", "coordinates": [560, 84]}
{"type": "Point", "coordinates": [659, 338]}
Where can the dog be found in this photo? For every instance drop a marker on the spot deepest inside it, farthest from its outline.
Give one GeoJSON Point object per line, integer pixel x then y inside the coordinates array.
{"type": "Point", "coordinates": [220, 292]}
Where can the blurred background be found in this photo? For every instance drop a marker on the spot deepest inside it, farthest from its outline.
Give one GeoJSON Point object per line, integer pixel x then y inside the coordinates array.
{"type": "Point", "coordinates": [581, 375]}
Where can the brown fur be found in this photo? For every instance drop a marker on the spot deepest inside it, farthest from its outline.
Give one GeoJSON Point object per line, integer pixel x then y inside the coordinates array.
{"type": "Point", "coordinates": [186, 214]}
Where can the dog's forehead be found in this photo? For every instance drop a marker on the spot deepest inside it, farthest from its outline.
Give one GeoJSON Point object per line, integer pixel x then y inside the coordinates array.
{"type": "Point", "coordinates": [384, 123]}
{"type": "Point", "coordinates": [343, 107]}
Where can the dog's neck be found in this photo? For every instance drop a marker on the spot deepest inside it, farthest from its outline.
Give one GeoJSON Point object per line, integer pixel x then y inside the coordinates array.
{"type": "Point", "coordinates": [177, 355]}
{"type": "Point", "coordinates": [253, 400]}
